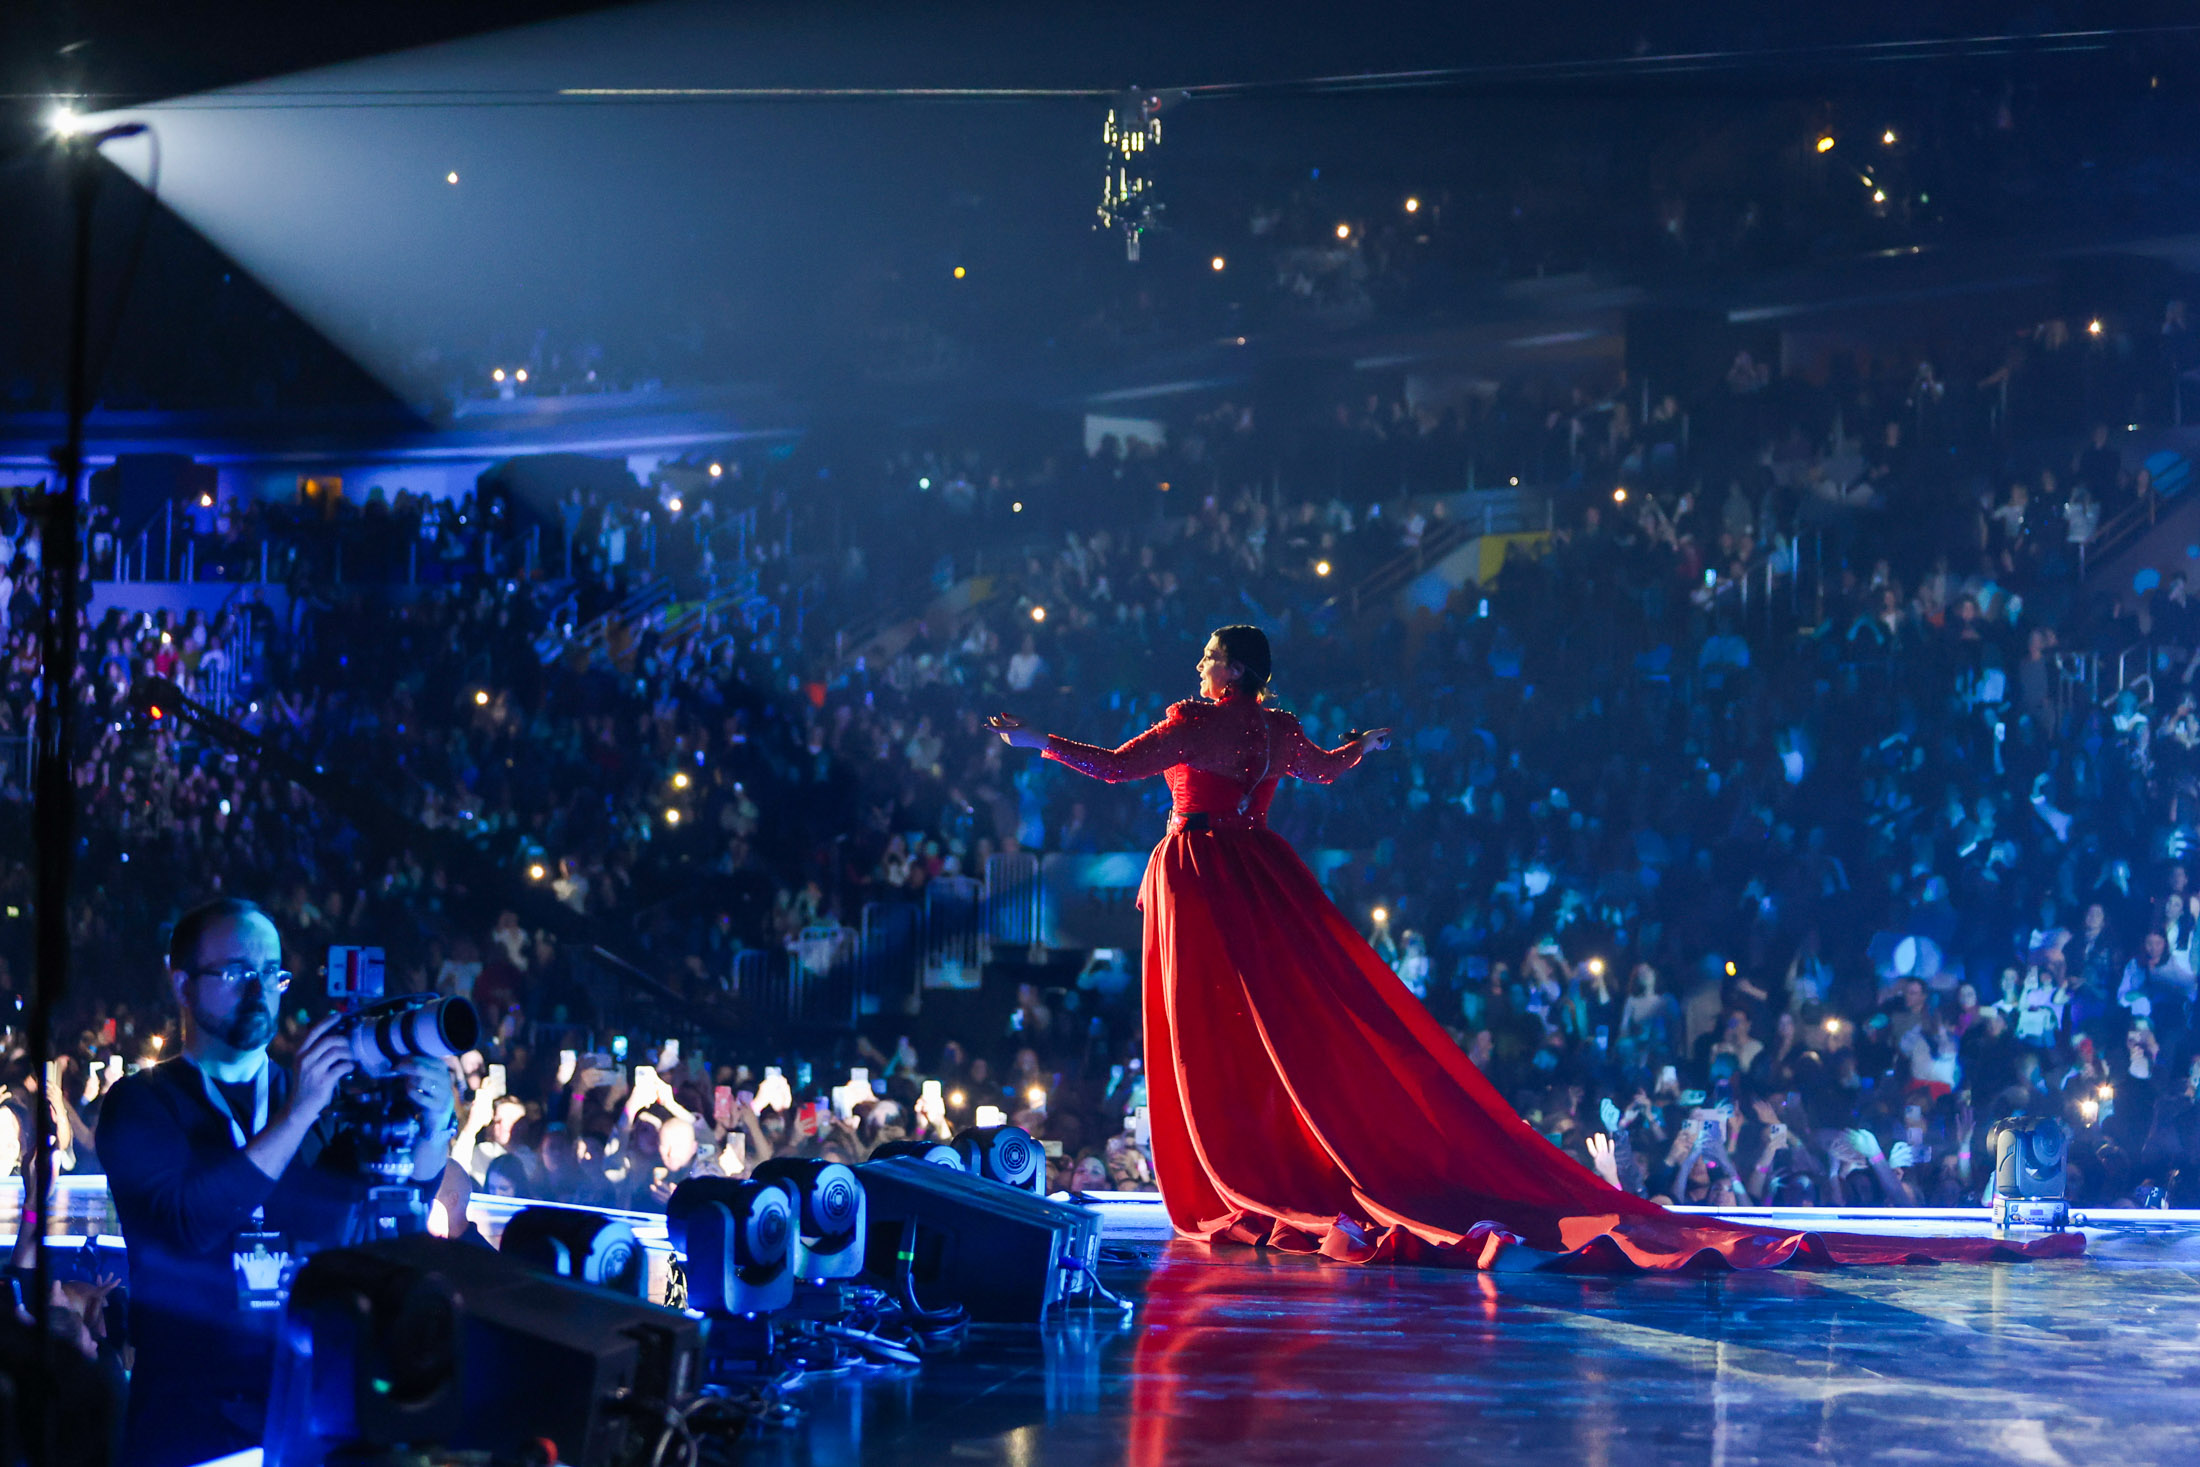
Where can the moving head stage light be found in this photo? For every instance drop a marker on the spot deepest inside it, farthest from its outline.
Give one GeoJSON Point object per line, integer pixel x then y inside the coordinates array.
{"type": "Point", "coordinates": [829, 1216]}
{"type": "Point", "coordinates": [2031, 1172]}
{"type": "Point", "coordinates": [580, 1245]}
{"type": "Point", "coordinates": [738, 1240]}
{"type": "Point", "coordinates": [1004, 1154]}
{"type": "Point", "coordinates": [939, 1153]}
{"type": "Point", "coordinates": [427, 1342]}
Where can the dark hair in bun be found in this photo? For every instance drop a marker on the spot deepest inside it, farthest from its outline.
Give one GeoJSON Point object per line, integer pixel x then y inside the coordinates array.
{"type": "Point", "coordinates": [1248, 648]}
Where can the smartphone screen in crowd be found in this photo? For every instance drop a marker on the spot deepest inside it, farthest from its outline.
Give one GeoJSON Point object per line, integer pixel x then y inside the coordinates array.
{"type": "Point", "coordinates": [496, 1079]}
{"type": "Point", "coordinates": [568, 1061]}
{"type": "Point", "coordinates": [721, 1105]}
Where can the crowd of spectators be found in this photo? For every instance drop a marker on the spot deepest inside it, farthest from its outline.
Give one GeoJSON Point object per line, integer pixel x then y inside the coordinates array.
{"type": "Point", "coordinates": [1754, 829]}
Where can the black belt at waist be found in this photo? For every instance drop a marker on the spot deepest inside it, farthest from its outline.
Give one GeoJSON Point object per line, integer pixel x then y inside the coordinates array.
{"type": "Point", "coordinates": [1204, 822]}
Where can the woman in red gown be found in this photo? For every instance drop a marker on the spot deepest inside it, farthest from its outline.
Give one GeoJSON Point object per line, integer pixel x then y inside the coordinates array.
{"type": "Point", "coordinates": [1300, 1097]}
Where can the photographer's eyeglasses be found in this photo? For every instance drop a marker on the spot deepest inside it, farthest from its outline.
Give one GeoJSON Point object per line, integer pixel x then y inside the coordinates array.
{"type": "Point", "coordinates": [237, 974]}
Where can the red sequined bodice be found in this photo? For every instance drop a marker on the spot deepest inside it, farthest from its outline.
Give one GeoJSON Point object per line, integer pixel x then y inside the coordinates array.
{"type": "Point", "coordinates": [1221, 759]}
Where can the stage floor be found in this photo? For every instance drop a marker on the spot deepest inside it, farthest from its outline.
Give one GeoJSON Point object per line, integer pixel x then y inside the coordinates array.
{"type": "Point", "coordinates": [1236, 1356]}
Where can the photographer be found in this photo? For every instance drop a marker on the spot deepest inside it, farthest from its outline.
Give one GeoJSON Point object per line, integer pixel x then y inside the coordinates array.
{"type": "Point", "coordinates": [222, 1169]}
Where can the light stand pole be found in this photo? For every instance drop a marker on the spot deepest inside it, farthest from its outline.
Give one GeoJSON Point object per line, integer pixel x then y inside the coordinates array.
{"type": "Point", "coordinates": [53, 780]}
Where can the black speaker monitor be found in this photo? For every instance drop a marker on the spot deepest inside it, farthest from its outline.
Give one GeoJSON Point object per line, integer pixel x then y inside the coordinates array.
{"type": "Point", "coordinates": [1002, 1253]}
{"type": "Point", "coordinates": [430, 1342]}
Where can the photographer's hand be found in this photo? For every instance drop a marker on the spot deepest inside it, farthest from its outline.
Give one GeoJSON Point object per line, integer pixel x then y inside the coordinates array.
{"type": "Point", "coordinates": [428, 1087]}
{"type": "Point", "coordinates": [323, 1060]}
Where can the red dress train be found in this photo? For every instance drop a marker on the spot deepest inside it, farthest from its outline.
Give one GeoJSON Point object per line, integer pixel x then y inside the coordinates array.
{"type": "Point", "coordinates": [1301, 1098]}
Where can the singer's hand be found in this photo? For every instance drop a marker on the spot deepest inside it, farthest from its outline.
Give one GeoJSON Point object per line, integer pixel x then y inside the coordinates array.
{"type": "Point", "coordinates": [1373, 741]}
{"type": "Point", "coordinates": [1015, 732]}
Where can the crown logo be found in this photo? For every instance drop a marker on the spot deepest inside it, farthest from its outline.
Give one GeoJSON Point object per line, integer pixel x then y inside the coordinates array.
{"type": "Point", "coordinates": [262, 1270]}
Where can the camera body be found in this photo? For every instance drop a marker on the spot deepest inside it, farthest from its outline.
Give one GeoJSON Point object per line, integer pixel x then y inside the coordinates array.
{"type": "Point", "coordinates": [372, 1110]}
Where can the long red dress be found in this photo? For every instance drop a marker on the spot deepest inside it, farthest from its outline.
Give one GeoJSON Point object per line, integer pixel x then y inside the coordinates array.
{"type": "Point", "coordinates": [1301, 1098]}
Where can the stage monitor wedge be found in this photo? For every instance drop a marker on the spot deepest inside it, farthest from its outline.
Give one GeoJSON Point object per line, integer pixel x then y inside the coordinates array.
{"type": "Point", "coordinates": [1003, 1254]}
{"type": "Point", "coordinates": [425, 1341]}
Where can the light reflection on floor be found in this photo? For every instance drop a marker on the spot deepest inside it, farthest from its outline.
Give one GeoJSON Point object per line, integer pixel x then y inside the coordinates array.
{"type": "Point", "coordinates": [1238, 1357]}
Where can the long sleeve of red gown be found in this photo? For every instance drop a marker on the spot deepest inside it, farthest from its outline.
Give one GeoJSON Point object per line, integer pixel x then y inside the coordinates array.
{"type": "Point", "coordinates": [1215, 738]}
{"type": "Point", "coordinates": [1168, 742]}
{"type": "Point", "coordinates": [1302, 758]}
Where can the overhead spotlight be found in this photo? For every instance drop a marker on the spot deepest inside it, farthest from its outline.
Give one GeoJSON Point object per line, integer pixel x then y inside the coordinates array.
{"type": "Point", "coordinates": [521, 374]}
{"type": "Point", "coordinates": [1619, 495]}
{"type": "Point", "coordinates": [1879, 196]}
{"type": "Point", "coordinates": [1344, 231]}
{"type": "Point", "coordinates": [1321, 567]}
{"type": "Point", "coordinates": [2093, 327]}
{"type": "Point", "coordinates": [960, 272]}
{"type": "Point", "coordinates": [672, 817]}
{"type": "Point", "coordinates": [1515, 481]}
{"type": "Point", "coordinates": [717, 471]}
{"type": "Point", "coordinates": [1038, 613]}
{"type": "Point", "coordinates": [680, 781]}
{"type": "Point", "coordinates": [481, 697]}
{"type": "Point", "coordinates": [1887, 137]}
{"type": "Point", "coordinates": [64, 121]}
{"type": "Point", "coordinates": [1413, 206]}
{"type": "Point", "coordinates": [1825, 142]}
{"type": "Point", "coordinates": [497, 375]}
{"type": "Point", "coordinates": [1017, 507]}
{"type": "Point", "coordinates": [1216, 263]}
{"type": "Point", "coordinates": [451, 177]}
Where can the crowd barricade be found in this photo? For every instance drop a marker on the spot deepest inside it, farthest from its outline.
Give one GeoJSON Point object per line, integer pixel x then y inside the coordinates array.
{"type": "Point", "coordinates": [1014, 899]}
{"type": "Point", "coordinates": [889, 945]}
{"type": "Point", "coordinates": [956, 949]}
{"type": "Point", "coordinates": [821, 971]}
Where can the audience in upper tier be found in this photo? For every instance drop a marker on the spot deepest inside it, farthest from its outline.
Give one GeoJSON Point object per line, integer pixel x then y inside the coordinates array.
{"type": "Point", "coordinates": [1761, 829]}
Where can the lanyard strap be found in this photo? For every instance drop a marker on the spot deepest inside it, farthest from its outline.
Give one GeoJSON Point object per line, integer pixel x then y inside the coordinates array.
{"type": "Point", "coordinates": [259, 1103]}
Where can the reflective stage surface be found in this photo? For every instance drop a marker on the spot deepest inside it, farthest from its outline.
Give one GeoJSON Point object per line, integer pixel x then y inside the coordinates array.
{"type": "Point", "coordinates": [1236, 1357]}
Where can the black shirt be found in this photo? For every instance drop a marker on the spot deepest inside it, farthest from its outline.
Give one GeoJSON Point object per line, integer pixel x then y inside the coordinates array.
{"type": "Point", "coordinates": [183, 1190]}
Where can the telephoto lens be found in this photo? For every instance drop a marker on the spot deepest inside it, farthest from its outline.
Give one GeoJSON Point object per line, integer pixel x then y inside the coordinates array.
{"type": "Point", "coordinates": [412, 1028]}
